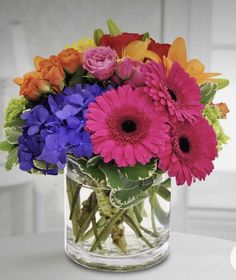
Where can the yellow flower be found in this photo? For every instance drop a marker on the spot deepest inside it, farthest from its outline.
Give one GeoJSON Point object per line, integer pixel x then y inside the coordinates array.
{"type": "Point", "coordinates": [194, 67]}
{"type": "Point", "coordinates": [82, 45]}
{"type": "Point", "coordinates": [138, 50]}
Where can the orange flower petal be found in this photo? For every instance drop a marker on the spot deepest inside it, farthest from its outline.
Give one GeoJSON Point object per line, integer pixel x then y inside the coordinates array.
{"type": "Point", "coordinates": [177, 52]}
{"type": "Point", "coordinates": [18, 81]}
{"type": "Point", "coordinates": [224, 110]}
{"type": "Point", "coordinates": [37, 60]}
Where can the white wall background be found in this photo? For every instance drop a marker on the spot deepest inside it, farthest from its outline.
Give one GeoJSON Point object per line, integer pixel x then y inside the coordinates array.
{"type": "Point", "coordinates": [30, 27]}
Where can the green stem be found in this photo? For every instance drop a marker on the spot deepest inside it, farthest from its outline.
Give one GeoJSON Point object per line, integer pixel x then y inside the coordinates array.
{"type": "Point", "coordinates": [107, 229]}
{"type": "Point", "coordinates": [148, 231]}
{"type": "Point", "coordinates": [75, 201]}
{"type": "Point", "coordinates": [95, 230]}
{"type": "Point", "coordinates": [76, 211]}
{"type": "Point", "coordinates": [90, 232]}
{"type": "Point", "coordinates": [151, 193]}
{"type": "Point", "coordinates": [88, 211]}
{"type": "Point", "coordinates": [136, 229]}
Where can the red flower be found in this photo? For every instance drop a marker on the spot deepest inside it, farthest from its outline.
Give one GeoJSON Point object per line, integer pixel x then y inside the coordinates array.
{"type": "Point", "coordinates": [160, 49]}
{"type": "Point", "coordinates": [119, 42]}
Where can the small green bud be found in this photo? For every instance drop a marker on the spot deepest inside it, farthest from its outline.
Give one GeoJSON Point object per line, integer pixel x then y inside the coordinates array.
{"type": "Point", "coordinates": [113, 28]}
{"type": "Point", "coordinates": [97, 35]}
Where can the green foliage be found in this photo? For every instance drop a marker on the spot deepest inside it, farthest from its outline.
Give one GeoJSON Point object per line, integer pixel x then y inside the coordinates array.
{"type": "Point", "coordinates": [12, 158]}
{"type": "Point", "coordinates": [208, 91]}
{"type": "Point", "coordinates": [145, 36]}
{"type": "Point", "coordinates": [77, 78]}
{"type": "Point", "coordinates": [128, 185]}
{"type": "Point", "coordinates": [5, 146]}
{"type": "Point", "coordinates": [93, 161]}
{"type": "Point", "coordinates": [222, 83]}
{"type": "Point", "coordinates": [113, 27]}
{"type": "Point", "coordinates": [15, 108]}
{"type": "Point", "coordinates": [91, 171]}
{"type": "Point", "coordinates": [212, 114]}
{"type": "Point", "coordinates": [13, 129]}
{"type": "Point", "coordinates": [139, 171]}
{"type": "Point", "coordinates": [12, 134]}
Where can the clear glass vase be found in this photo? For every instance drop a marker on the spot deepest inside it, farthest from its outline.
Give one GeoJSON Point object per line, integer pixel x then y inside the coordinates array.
{"type": "Point", "coordinates": [103, 237]}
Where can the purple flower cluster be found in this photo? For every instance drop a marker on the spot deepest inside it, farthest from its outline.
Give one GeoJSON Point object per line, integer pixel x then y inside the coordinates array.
{"type": "Point", "coordinates": [55, 128]}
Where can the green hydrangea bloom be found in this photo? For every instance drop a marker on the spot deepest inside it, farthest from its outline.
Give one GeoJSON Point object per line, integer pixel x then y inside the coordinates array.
{"type": "Point", "coordinates": [212, 114]}
{"type": "Point", "coordinates": [15, 107]}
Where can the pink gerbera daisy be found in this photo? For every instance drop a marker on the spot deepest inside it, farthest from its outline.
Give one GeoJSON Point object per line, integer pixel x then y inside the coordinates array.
{"type": "Point", "coordinates": [176, 93]}
{"type": "Point", "coordinates": [191, 150]}
{"type": "Point", "coordinates": [125, 126]}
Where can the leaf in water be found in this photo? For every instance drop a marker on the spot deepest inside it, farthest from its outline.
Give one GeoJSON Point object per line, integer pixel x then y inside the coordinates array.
{"type": "Point", "coordinates": [139, 171]}
{"type": "Point", "coordinates": [113, 178]}
{"type": "Point", "coordinates": [127, 197]}
{"type": "Point", "coordinates": [93, 172]}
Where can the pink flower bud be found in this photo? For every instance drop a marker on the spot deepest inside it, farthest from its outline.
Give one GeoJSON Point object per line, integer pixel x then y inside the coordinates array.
{"type": "Point", "coordinates": [124, 69]}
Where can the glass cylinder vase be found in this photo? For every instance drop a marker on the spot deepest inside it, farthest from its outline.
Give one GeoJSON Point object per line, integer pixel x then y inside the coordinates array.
{"type": "Point", "coordinates": [99, 235]}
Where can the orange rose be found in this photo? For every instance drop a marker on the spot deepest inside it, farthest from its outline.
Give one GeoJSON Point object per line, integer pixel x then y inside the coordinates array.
{"type": "Point", "coordinates": [32, 86]}
{"type": "Point", "coordinates": [52, 71]}
{"type": "Point", "coordinates": [70, 60]}
{"type": "Point", "coordinates": [224, 110]}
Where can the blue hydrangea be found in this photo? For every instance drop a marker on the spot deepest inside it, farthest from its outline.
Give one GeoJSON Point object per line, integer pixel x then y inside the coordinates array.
{"type": "Point", "coordinates": [55, 128]}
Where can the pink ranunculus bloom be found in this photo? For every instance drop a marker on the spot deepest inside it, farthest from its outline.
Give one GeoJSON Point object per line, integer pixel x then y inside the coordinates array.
{"type": "Point", "coordinates": [125, 68]}
{"type": "Point", "coordinates": [100, 62]}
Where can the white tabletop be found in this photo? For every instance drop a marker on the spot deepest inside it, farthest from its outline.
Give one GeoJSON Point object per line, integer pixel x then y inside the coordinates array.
{"type": "Point", "coordinates": [41, 257]}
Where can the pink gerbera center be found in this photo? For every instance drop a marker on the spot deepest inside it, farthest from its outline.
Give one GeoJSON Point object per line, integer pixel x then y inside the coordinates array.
{"type": "Point", "coordinates": [127, 125]}
{"type": "Point", "coordinates": [190, 152]}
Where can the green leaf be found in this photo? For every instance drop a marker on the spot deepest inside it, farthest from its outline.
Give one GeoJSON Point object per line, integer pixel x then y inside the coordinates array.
{"type": "Point", "coordinates": [93, 172]}
{"type": "Point", "coordinates": [97, 35]}
{"type": "Point", "coordinates": [124, 192]}
{"type": "Point", "coordinates": [222, 83]}
{"type": "Point", "coordinates": [139, 171]}
{"type": "Point", "coordinates": [12, 134]}
{"type": "Point", "coordinates": [40, 164]}
{"type": "Point", "coordinates": [145, 36]}
{"type": "Point", "coordinates": [130, 196]}
{"type": "Point", "coordinates": [5, 146]}
{"type": "Point", "coordinates": [77, 78]}
{"type": "Point", "coordinates": [93, 161]}
{"type": "Point", "coordinates": [12, 158]}
{"type": "Point", "coordinates": [208, 91]}
{"type": "Point", "coordinates": [112, 175]}
{"type": "Point", "coordinates": [113, 28]}
{"type": "Point", "coordinates": [17, 122]}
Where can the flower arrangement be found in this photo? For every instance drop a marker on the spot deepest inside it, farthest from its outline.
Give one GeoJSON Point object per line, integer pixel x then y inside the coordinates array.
{"type": "Point", "coordinates": [125, 108]}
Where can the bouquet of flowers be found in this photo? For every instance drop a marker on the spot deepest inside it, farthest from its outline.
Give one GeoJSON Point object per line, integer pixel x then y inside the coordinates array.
{"type": "Point", "coordinates": [120, 110]}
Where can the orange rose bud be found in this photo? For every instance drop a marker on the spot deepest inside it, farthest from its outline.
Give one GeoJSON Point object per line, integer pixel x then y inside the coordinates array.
{"type": "Point", "coordinates": [70, 60]}
{"type": "Point", "coordinates": [32, 86]}
{"type": "Point", "coordinates": [52, 71]}
{"type": "Point", "coordinates": [224, 110]}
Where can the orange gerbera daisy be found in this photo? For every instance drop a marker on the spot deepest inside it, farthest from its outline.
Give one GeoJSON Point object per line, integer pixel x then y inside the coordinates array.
{"type": "Point", "coordinates": [193, 67]}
